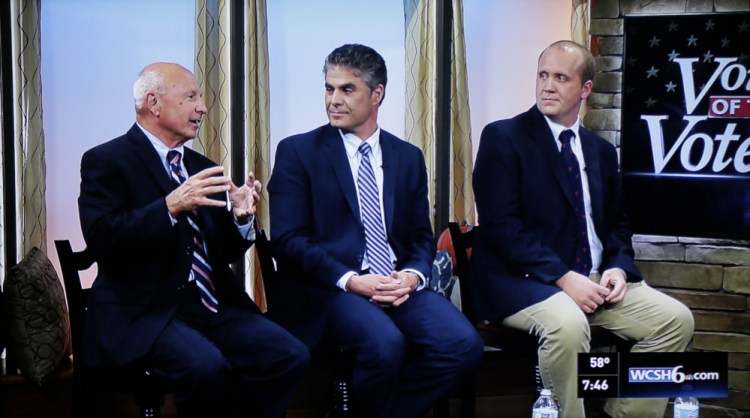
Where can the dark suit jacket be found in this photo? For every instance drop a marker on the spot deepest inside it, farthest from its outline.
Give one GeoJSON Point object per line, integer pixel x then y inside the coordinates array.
{"type": "Point", "coordinates": [144, 260]}
{"type": "Point", "coordinates": [527, 235]}
{"type": "Point", "coordinates": [317, 230]}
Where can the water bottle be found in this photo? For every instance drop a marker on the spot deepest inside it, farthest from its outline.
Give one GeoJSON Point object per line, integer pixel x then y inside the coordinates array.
{"type": "Point", "coordinates": [545, 406]}
{"type": "Point", "coordinates": [685, 407]}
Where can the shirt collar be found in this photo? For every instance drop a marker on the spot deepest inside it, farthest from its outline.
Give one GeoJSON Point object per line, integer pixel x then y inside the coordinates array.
{"type": "Point", "coordinates": [160, 147]}
{"type": "Point", "coordinates": [352, 142]}
{"type": "Point", "coordinates": [557, 129]}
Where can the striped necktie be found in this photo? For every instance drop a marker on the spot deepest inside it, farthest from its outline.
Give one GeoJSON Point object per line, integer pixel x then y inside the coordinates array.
{"type": "Point", "coordinates": [200, 270]}
{"type": "Point", "coordinates": [378, 254]}
{"type": "Point", "coordinates": [583, 251]}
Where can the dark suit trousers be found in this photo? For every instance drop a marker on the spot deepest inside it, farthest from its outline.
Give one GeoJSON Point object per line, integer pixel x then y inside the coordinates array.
{"type": "Point", "coordinates": [406, 357]}
{"type": "Point", "coordinates": [228, 364]}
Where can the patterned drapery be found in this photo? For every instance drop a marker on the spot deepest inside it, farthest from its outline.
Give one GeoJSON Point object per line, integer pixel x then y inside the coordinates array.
{"type": "Point", "coordinates": [579, 32]}
{"type": "Point", "coordinates": [212, 68]}
{"type": "Point", "coordinates": [29, 168]}
{"type": "Point", "coordinates": [257, 123]}
{"type": "Point", "coordinates": [462, 194]}
{"type": "Point", "coordinates": [421, 110]}
{"type": "Point", "coordinates": [212, 52]}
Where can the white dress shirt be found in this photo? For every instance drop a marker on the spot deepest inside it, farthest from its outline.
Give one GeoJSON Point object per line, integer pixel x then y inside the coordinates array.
{"type": "Point", "coordinates": [351, 144]}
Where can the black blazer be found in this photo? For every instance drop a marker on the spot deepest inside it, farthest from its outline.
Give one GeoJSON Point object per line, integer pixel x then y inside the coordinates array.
{"type": "Point", "coordinates": [317, 230]}
{"type": "Point", "coordinates": [144, 260]}
{"type": "Point", "coordinates": [527, 235]}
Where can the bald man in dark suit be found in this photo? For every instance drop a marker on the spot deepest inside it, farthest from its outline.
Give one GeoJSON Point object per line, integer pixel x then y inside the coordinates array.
{"type": "Point", "coordinates": [553, 253]}
{"type": "Point", "coordinates": [164, 223]}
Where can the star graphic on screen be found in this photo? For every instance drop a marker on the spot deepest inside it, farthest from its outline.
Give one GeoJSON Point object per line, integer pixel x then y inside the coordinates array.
{"type": "Point", "coordinates": [670, 86]}
{"type": "Point", "coordinates": [724, 42]}
{"type": "Point", "coordinates": [743, 27]}
{"type": "Point", "coordinates": [692, 40]}
{"type": "Point", "coordinates": [654, 42]}
{"type": "Point", "coordinates": [710, 25]}
{"type": "Point", "coordinates": [632, 61]}
{"type": "Point", "coordinates": [672, 55]}
{"type": "Point", "coordinates": [708, 56]}
{"type": "Point", "coordinates": [743, 57]}
{"type": "Point", "coordinates": [652, 72]}
{"type": "Point", "coordinates": [650, 102]}
{"type": "Point", "coordinates": [673, 26]}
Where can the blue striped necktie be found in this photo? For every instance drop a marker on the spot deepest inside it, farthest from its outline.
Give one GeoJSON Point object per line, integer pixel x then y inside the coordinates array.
{"type": "Point", "coordinates": [583, 251]}
{"type": "Point", "coordinates": [200, 270]}
{"type": "Point", "coordinates": [378, 254]}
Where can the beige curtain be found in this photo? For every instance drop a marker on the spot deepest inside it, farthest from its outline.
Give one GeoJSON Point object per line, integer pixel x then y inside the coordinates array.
{"type": "Point", "coordinates": [462, 194]}
{"type": "Point", "coordinates": [29, 167]}
{"type": "Point", "coordinates": [579, 32]}
{"type": "Point", "coordinates": [421, 110]}
{"type": "Point", "coordinates": [257, 123]}
{"type": "Point", "coordinates": [212, 71]}
{"type": "Point", "coordinates": [212, 68]}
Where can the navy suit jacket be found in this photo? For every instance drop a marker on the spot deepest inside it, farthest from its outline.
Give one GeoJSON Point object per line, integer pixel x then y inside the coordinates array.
{"type": "Point", "coordinates": [528, 231]}
{"type": "Point", "coordinates": [316, 225]}
{"type": "Point", "coordinates": [143, 260]}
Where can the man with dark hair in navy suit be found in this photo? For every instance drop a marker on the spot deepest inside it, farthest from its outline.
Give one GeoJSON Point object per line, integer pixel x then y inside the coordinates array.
{"type": "Point", "coordinates": [553, 253]}
{"type": "Point", "coordinates": [352, 237]}
{"type": "Point", "coordinates": [164, 223]}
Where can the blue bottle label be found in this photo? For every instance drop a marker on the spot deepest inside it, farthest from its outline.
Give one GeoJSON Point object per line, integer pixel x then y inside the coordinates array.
{"type": "Point", "coordinates": [685, 411]}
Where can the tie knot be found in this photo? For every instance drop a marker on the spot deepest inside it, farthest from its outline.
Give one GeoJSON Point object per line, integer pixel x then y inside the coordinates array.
{"type": "Point", "coordinates": [364, 149]}
{"type": "Point", "coordinates": [566, 136]}
{"type": "Point", "coordinates": [173, 157]}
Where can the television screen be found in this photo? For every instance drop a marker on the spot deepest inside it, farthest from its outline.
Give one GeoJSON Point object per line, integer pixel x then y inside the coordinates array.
{"type": "Point", "coordinates": [685, 137]}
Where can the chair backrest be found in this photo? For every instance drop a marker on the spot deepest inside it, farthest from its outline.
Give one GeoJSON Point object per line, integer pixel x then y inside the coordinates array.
{"type": "Point", "coordinates": [71, 264]}
{"type": "Point", "coordinates": [463, 241]}
{"type": "Point", "coordinates": [267, 264]}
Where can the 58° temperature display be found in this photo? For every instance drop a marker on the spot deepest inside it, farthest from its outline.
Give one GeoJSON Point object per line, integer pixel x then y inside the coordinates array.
{"type": "Point", "coordinates": [597, 375]}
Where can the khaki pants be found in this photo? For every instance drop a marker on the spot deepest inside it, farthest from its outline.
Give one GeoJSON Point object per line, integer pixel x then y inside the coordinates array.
{"type": "Point", "coordinates": [652, 319]}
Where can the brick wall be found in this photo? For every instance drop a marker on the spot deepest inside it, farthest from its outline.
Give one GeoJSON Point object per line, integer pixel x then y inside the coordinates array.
{"type": "Point", "coordinates": [711, 276]}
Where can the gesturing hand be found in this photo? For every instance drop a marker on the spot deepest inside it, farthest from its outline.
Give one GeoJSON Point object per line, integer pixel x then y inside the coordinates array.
{"type": "Point", "coordinates": [195, 190]}
{"type": "Point", "coordinates": [245, 199]}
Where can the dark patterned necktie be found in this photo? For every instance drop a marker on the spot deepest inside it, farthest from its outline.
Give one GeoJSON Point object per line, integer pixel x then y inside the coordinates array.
{"type": "Point", "coordinates": [378, 253]}
{"type": "Point", "coordinates": [583, 251]}
{"type": "Point", "coordinates": [201, 269]}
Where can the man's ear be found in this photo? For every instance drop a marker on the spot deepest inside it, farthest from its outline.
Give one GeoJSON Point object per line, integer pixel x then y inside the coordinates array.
{"type": "Point", "coordinates": [153, 104]}
{"type": "Point", "coordinates": [588, 87]}
{"type": "Point", "coordinates": [377, 95]}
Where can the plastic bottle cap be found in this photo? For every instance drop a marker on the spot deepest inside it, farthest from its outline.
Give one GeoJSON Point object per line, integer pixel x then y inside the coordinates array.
{"type": "Point", "coordinates": [546, 392]}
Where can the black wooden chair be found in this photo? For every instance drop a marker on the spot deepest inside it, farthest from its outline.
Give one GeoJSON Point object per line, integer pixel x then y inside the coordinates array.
{"type": "Point", "coordinates": [505, 340]}
{"type": "Point", "coordinates": [147, 389]}
{"type": "Point", "coordinates": [339, 362]}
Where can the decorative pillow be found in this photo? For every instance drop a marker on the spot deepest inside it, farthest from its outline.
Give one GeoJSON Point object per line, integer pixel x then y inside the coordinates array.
{"type": "Point", "coordinates": [35, 316]}
{"type": "Point", "coordinates": [442, 280]}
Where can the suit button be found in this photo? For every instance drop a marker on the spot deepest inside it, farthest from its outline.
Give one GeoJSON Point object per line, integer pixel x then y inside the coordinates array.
{"type": "Point", "coordinates": [181, 287]}
{"type": "Point", "coordinates": [188, 250]}
{"type": "Point", "coordinates": [359, 258]}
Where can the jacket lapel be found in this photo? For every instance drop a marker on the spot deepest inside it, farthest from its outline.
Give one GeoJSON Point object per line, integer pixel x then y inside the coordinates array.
{"type": "Point", "coordinates": [390, 172]}
{"type": "Point", "coordinates": [543, 136]}
{"type": "Point", "coordinates": [150, 158]}
{"type": "Point", "coordinates": [334, 149]}
{"type": "Point", "coordinates": [593, 174]}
